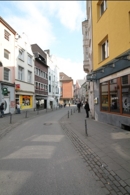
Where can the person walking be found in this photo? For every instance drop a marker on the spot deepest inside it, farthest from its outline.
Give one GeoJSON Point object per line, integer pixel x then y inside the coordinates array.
{"type": "Point", "coordinates": [87, 109]}
{"type": "Point", "coordinates": [78, 106]}
{"type": "Point", "coordinates": [2, 109]}
{"type": "Point", "coordinates": [18, 108]}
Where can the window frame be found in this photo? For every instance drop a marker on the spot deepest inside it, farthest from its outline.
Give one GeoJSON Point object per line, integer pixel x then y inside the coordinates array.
{"type": "Point", "coordinates": [6, 52]}
{"type": "Point", "coordinates": [8, 70]}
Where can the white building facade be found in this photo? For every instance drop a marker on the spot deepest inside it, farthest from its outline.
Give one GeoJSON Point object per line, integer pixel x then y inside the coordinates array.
{"type": "Point", "coordinates": [53, 82]}
{"type": "Point", "coordinates": [7, 65]}
{"type": "Point", "coordinates": [24, 73]}
{"type": "Point", "coordinates": [88, 55]}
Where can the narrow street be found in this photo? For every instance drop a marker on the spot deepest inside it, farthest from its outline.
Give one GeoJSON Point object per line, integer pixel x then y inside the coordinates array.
{"type": "Point", "coordinates": [38, 158]}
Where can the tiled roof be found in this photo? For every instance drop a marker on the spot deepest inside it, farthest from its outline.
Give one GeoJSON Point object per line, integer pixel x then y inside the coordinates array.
{"type": "Point", "coordinates": [64, 77]}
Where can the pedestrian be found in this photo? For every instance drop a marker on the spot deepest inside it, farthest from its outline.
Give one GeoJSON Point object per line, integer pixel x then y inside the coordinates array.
{"type": "Point", "coordinates": [78, 106]}
{"type": "Point", "coordinates": [18, 108]}
{"type": "Point", "coordinates": [2, 109]}
{"type": "Point", "coordinates": [87, 109]}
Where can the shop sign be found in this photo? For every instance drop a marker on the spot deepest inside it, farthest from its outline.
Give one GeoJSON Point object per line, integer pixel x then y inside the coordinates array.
{"type": "Point", "coordinates": [17, 86]}
{"type": "Point", "coordinates": [5, 91]}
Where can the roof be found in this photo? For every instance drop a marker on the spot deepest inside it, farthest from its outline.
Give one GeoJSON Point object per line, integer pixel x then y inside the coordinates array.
{"type": "Point", "coordinates": [64, 77]}
{"type": "Point", "coordinates": [7, 25]}
{"type": "Point", "coordinates": [80, 82]}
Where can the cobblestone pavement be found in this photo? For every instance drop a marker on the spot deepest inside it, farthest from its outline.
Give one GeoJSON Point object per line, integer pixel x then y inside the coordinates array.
{"type": "Point", "coordinates": [112, 183]}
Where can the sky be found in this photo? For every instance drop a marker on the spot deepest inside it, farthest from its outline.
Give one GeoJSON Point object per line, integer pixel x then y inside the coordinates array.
{"type": "Point", "coordinates": [54, 25]}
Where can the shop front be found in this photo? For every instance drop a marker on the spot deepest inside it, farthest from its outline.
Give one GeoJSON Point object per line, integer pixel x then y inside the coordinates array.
{"type": "Point", "coordinates": [41, 102]}
{"type": "Point", "coordinates": [25, 101]}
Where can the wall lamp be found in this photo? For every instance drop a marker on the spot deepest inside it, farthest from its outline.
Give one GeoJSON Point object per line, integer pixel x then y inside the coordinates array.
{"type": "Point", "coordinates": [112, 65]}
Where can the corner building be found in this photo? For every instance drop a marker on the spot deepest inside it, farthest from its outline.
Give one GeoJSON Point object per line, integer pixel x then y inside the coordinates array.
{"type": "Point", "coordinates": [111, 61]}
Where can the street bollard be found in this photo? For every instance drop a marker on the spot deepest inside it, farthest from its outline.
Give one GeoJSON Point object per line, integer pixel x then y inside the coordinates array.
{"type": "Point", "coordinates": [46, 109]}
{"type": "Point", "coordinates": [37, 111]}
{"type": "Point", "coordinates": [86, 129]}
{"type": "Point", "coordinates": [26, 114]}
{"type": "Point", "coordinates": [74, 110]}
{"type": "Point", "coordinates": [68, 114]}
{"type": "Point", "coordinates": [71, 111]}
{"type": "Point", "coordinates": [10, 118]}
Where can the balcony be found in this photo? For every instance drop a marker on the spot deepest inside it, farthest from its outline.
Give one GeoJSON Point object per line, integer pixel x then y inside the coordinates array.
{"type": "Point", "coordinates": [86, 42]}
{"type": "Point", "coordinates": [86, 66]}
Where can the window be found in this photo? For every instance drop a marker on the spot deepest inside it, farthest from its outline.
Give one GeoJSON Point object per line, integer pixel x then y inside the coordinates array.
{"type": "Point", "coordinates": [49, 78]}
{"type": "Point", "coordinates": [6, 54]}
{"type": "Point", "coordinates": [103, 7]}
{"type": "Point", "coordinates": [29, 76]}
{"type": "Point", "coordinates": [115, 95]}
{"type": "Point", "coordinates": [104, 96]}
{"type": "Point", "coordinates": [6, 74]}
{"type": "Point", "coordinates": [104, 50]}
{"type": "Point", "coordinates": [21, 55]}
{"type": "Point", "coordinates": [6, 35]}
{"type": "Point", "coordinates": [126, 94]}
{"type": "Point", "coordinates": [20, 73]}
{"type": "Point", "coordinates": [49, 88]}
{"type": "Point", "coordinates": [29, 60]}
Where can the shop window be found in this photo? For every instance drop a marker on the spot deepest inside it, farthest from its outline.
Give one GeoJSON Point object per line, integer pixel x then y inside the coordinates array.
{"type": "Point", "coordinates": [126, 94]}
{"type": "Point", "coordinates": [26, 100]}
{"type": "Point", "coordinates": [104, 96]}
{"type": "Point", "coordinates": [114, 95]}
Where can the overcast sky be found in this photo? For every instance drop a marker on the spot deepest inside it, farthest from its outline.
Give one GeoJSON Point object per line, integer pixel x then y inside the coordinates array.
{"type": "Point", "coordinates": [54, 25]}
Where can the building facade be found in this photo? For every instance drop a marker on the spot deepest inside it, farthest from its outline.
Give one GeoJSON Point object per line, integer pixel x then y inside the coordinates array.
{"type": "Point", "coordinates": [24, 72]}
{"type": "Point", "coordinates": [66, 89]}
{"type": "Point", "coordinates": [7, 66]}
{"type": "Point", "coordinates": [53, 81]}
{"type": "Point", "coordinates": [111, 61]}
{"type": "Point", "coordinates": [88, 53]}
{"type": "Point", "coordinates": [41, 77]}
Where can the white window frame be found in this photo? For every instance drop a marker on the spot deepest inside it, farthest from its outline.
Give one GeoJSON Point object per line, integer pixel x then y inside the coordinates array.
{"type": "Point", "coordinates": [30, 60]}
{"type": "Point", "coordinates": [104, 4]}
{"type": "Point", "coordinates": [29, 76]}
{"type": "Point", "coordinates": [20, 73]}
{"type": "Point", "coordinates": [21, 54]}
{"type": "Point", "coordinates": [105, 50]}
{"type": "Point", "coordinates": [6, 71]}
{"type": "Point", "coordinates": [6, 54]}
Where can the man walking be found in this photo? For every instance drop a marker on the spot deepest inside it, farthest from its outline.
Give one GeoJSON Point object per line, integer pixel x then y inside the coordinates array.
{"type": "Point", "coordinates": [86, 107]}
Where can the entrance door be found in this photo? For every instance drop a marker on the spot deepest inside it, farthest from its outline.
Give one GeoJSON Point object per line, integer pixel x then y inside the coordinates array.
{"type": "Point", "coordinates": [6, 105]}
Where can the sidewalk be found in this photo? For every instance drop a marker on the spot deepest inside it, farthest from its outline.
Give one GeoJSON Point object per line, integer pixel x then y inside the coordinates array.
{"type": "Point", "coordinates": [106, 150]}
{"type": "Point", "coordinates": [7, 123]}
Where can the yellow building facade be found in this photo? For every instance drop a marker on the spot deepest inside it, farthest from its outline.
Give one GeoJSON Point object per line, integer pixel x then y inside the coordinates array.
{"type": "Point", "coordinates": [112, 25]}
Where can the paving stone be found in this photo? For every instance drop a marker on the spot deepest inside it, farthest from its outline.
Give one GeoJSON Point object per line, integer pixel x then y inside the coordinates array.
{"type": "Point", "coordinates": [127, 189]}
{"type": "Point", "coordinates": [113, 192]}
{"type": "Point", "coordinates": [121, 189]}
{"type": "Point", "coordinates": [123, 184]}
{"type": "Point", "coordinates": [105, 191]}
{"type": "Point", "coordinates": [108, 186]}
